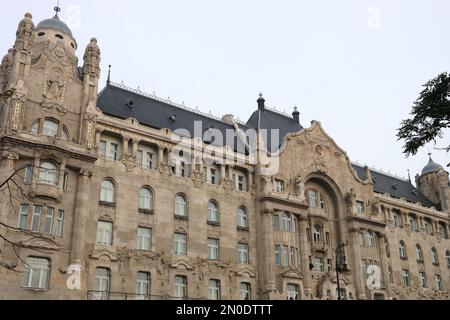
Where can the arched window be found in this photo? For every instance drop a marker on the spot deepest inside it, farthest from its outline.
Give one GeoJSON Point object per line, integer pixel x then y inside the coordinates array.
{"type": "Point", "coordinates": [313, 198]}
{"type": "Point", "coordinates": [447, 257]}
{"type": "Point", "coordinates": [48, 173]}
{"type": "Point", "coordinates": [145, 199]}
{"type": "Point", "coordinates": [286, 220]}
{"type": "Point", "coordinates": [50, 128]}
{"type": "Point", "coordinates": [213, 212]}
{"type": "Point", "coordinates": [181, 206]}
{"type": "Point", "coordinates": [434, 256]}
{"type": "Point", "coordinates": [242, 218]}
{"type": "Point", "coordinates": [402, 251]}
{"type": "Point", "coordinates": [108, 192]}
{"type": "Point", "coordinates": [419, 253]}
{"type": "Point", "coordinates": [35, 127]}
{"type": "Point", "coordinates": [317, 235]}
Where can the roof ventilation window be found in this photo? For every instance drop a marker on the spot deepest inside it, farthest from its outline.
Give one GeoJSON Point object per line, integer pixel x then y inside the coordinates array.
{"type": "Point", "coordinates": [173, 118]}
{"type": "Point", "coordinates": [130, 104]}
{"type": "Point", "coordinates": [41, 34]}
{"type": "Point", "coordinates": [59, 36]}
{"type": "Point", "coordinates": [395, 186]}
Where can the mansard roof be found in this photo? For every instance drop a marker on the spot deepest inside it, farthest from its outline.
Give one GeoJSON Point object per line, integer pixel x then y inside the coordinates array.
{"type": "Point", "coordinates": [395, 187]}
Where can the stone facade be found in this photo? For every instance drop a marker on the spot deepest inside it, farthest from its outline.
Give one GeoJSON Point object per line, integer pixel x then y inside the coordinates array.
{"type": "Point", "coordinates": [86, 186]}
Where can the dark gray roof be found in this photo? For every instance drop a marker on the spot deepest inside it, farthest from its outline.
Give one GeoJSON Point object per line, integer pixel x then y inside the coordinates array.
{"type": "Point", "coordinates": [55, 23]}
{"type": "Point", "coordinates": [432, 167]}
{"type": "Point", "coordinates": [396, 187]}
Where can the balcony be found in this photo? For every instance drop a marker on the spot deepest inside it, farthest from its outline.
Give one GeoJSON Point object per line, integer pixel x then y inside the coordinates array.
{"type": "Point", "coordinates": [49, 191]}
{"type": "Point", "coordinates": [319, 246]}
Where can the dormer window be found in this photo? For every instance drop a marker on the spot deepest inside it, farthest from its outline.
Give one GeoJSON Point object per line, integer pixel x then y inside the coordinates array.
{"type": "Point", "coordinates": [279, 185]}
{"type": "Point", "coordinates": [50, 128]}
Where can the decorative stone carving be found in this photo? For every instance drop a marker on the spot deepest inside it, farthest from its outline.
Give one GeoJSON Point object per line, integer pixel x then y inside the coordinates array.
{"type": "Point", "coordinates": [228, 185]}
{"type": "Point", "coordinates": [25, 34]}
{"type": "Point", "coordinates": [350, 201]}
{"type": "Point", "coordinates": [197, 178]}
{"type": "Point", "coordinates": [7, 62]}
{"type": "Point", "coordinates": [300, 188]}
{"type": "Point", "coordinates": [266, 184]}
{"type": "Point", "coordinates": [130, 162]}
{"type": "Point", "coordinates": [54, 87]}
{"type": "Point", "coordinates": [92, 59]}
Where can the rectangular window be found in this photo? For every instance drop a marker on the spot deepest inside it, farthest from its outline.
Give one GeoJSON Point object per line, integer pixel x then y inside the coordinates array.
{"type": "Point", "coordinates": [214, 290]}
{"type": "Point", "coordinates": [361, 239]}
{"type": "Point", "coordinates": [149, 161]}
{"type": "Point", "coordinates": [279, 185]}
{"type": "Point", "coordinates": [276, 222]}
{"type": "Point", "coordinates": [422, 280]}
{"type": "Point", "coordinates": [413, 222]}
{"type": "Point", "coordinates": [180, 288]}
{"type": "Point", "coordinates": [277, 255]}
{"type": "Point", "coordinates": [397, 220]}
{"type": "Point", "coordinates": [144, 241]}
{"type": "Point", "coordinates": [243, 253]}
{"type": "Point", "coordinates": [292, 256]}
{"type": "Point", "coordinates": [36, 274]}
{"type": "Point", "coordinates": [313, 198]}
{"type": "Point", "coordinates": [405, 276]}
{"type": "Point", "coordinates": [36, 221]}
{"type": "Point", "coordinates": [292, 292]}
{"type": "Point", "coordinates": [143, 284]}
{"type": "Point", "coordinates": [213, 176]}
{"type": "Point", "coordinates": [48, 223]}
{"type": "Point", "coordinates": [285, 256]}
{"type": "Point", "coordinates": [59, 223]}
{"type": "Point", "coordinates": [23, 217]}
{"type": "Point", "coordinates": [213, 249]}
{"type": "Point", "coordinates": [102, 149]}
{"type": "Point", "coordinates": [140, 158]}
{"type": "Point", "coordinates": [437, 282]}
{"type": "Point", "coordinates": [102, 281]}
{"type": "Point", "coordinates": [330, 265]}
{"type": "Point", "coordinates": [240, 182]}
{"type": "Point", "coordinates": [319, 264]}
{"type": "Point", "coordinates": [66, 181]}
{"type": "Point", "coordinates": [179, 245]}
{"type": "Point", "coordinates": [114, 152]}
{"type": "Point", "coordinates": [104, 233]}
{"type": "Point", "coordinates": [246, 291]}
{"type": "Point", "coordinates": [360, 208]}
{"type": "Point", "coordinates": [28, 176]}
{"type": "Point", "coordinates": [327, 238]}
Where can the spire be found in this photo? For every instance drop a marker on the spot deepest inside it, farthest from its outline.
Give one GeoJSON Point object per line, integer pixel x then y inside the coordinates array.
{"type": "Point", "coordinates": [261, 102]}
{"type": "Point", "coordinates": [57, 9]}
{"type": "Point", "coordinates": [108, 81]}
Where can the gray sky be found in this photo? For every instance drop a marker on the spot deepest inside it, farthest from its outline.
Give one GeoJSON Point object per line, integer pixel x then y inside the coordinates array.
{"type": "Point", "coordinates": [354, 65]}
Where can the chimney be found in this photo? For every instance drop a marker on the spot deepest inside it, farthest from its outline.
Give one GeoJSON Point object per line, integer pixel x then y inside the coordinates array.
{"type": "Point", "coordinates": [296, 115]}
{"type": "Point", "coordinates": [261, 102]}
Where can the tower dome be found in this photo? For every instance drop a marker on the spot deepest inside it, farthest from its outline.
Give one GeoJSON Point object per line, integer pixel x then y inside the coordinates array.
{"type": "Point", "coordinates": [432, 167]}
{"type": "Point", "coordinates": [56, 24]}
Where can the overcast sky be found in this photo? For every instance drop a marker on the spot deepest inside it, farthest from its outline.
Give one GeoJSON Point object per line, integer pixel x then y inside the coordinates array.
{"type": "Point", "coordinates": [355, 65]}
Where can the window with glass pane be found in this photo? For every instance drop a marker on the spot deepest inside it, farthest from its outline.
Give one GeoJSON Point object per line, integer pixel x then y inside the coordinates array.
{"type": "Point", "coordinates": [437, 282]}
{"type": "Point", "coordinates": [179, 245]}
{"type": "Point", "coordinates": [241, 183]}
{"type": "Point", "coordinates": [213, 249]}
{"type": "Point", "coordinates": [35, 127]}
{"type": "Point", "coordinates": [317, 234]}
{"type": "Point", "coordinates": [319, 264]}
{"type": "Point", "coordinates": [292, 292]}
{"type": "Point", "coordinates": [422, 280]}
{"type": "Point", "coordinates": [36, 274]}
{"type": "Point", "coordinates": [66, 181]}
{"type": "Point", "coordinates": [286, 220]}
{"type": "Point", "coordinates": [246, 291]}
{"type": "Point", "coordinates": [144, 241]}
{"type": "Point", "coordinates": [108, 192]}
{"type": "Point", "coordinates": [102, 280]}
{"type": "Point", "coordinates": [243, 253]}
{"type": "Point", "coordinates": [114, 152]}
{"type": "Point", "coordinates": [242, 218]}
{"type": "Point", "coordinates": [213, 176]}
{"type": "Point", "coordinates": [213, 212]}
{"type": "Point", "coordinates": [434, 257]}
{"type": "Point", "coordinates": [419, 255]}
{"type": "Point", "coordinates": [36, 221]}
{"type": "Point", "coordinates": [64, 134]}
{"type": "Point", "coordinates": [59, 223]}
{"type": "Point", "coordinates": [279, 186]}
{"type": "Point", "coordinates": [360, 207]}
{"type": "Point", "coordinates": [370, 239]}
{"type": "Point", "coordinates": [405, 276]}
{"type": "Point", "coordinates": [214, 290]}
{"type": "Point", "coordinates": [402, 250]}
{"type": "Point", "coordinates": [180, 206]}
{"type": "Point", "coordinates": [48, 223]}
{"type": "Point", "coordinates": [145, 199]}
{"type": "Point", "coordinates": [104, 233]}
{"type": "Point", "coordinates": [278, 255]}
{"type": "Point", "coordinates": [180, 287]}
{"type": "Point", "coordinates": [413, 222]}
{"type": "Point", "coordinates": [23, 217]}
{"type": "Point", "coordinates": [28, 175]}
{"type": "Point", "coordinates": [276, 222]}
{"type": "Point", "coordinates": [285, 256]}
{"type": "Point", "coordinates": [50, 128]}
{"type": "Point", "coordinates": [143, 284]}
{"type": "Point", "coordinates": [102, 149]}
{"type": "Point", "coordinates": [48, 173]}
{"type": "Point", "coordinates": [149, 161]}
{"type": "Point", "coordinates": [313, 198]}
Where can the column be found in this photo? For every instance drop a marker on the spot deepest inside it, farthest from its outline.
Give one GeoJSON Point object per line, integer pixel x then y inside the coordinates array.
{"type": "Point", "coordinates": [6, 171]}
{"type": "Point", "coordinates": [222, 172]}
{"type": "Point", "coordinates": [384, 263]}
{"type": "Point", "coordinates": [37, 164]}
{"type": "Point", "coordinates": [304, 254]}
{"type": "Point", "coordinates": [135, 147]}
{"type": "Point", "coordinates": [357, 269]}
{"type": "Point", "coordinates": [62, 170]}
{"type": "Point", "coordinates": [160, 155]}
{"type": "Point", "coordinates": [268, 251]}
{"type": "Point", "coordinates": [250, 179]}
{"type": "Point", "coordinates": [125, 151]}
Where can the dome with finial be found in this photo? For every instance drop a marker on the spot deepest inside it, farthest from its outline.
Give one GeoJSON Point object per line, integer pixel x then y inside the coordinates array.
{"type": "Point", "coordinates": [432, 167]}
{"type": "Point", "coordinates": [55, 23]}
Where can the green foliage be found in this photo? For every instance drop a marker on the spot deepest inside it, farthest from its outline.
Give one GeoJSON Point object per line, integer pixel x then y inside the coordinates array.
{"type": "Point", "coordinates": [430, 116]}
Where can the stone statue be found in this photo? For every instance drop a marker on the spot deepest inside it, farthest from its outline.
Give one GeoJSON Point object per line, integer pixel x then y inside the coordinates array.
{"type": "Point", "coordinates": [54, 88]}
{"type": "Point", "coordinates": [300, 188]}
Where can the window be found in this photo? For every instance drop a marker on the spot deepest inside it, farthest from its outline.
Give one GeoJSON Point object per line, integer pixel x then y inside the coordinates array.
{"type": "Point", "coordinates": [214, 290]}
{"type": "Point", "coordinates": [179, 245]}
{"type": "Point", "coordinates": [180, 206]}
{"type": "Point", "coordinates": [292, 292]}
{"type": "Point", "coordinates": [402, 251]}
{"type": "Point", "coordinates": [64, 134]}
{"type": "Point", "coordinates": [213, 212]}
{"type": "Point", "coordinates": [50, 128]}
{"type": "Point", "coordinates": [447, 257]}
{"type": "Point", "coordinates": [145, 199]}
{"type": "Point", "coordinates": [144, 239]}
{"type": "Point", "coordinates": [361, 239]}
{"type": "Point", "coordinates": [143, 284]}
{"type": "Point", "coordinates": [59, 223]}
{"type": "Point", "coordinates": [330, 265]}
{"type": "Point", "coordinates": [370, 239]}
{"type": "Point", "coordinates": [240, 183]}
{"type": "Point", "coordinates": [327, 238]}
{"type": "Point", "coordinates": [319, 264]}
{"type": "Point", "coordinates": [286, 221]}
{"type": "Point", "coordinates": [102, 280]}
{"type": "Point", "coordinates": [413, 223]}
{"type": "Point", "coordinates": [437, 282]}
{"type": "Point", "coordinates": [102, 149]}
{"type": "Point", "coordinates": [422, 280]}
{"type": "Point", "coordinates": [104, 233]}
{"type": "Point", "coordinates": [28, 176]}
{"type": "Point", "coordinates": [213, 249]}
{"type": "Point", "coordinates": [242, 218]}
{"type": "Point", "coordinates": [182, 170]}
{"type": "Point", "coordinates": [37, 273]}
{"type": "Point", "coordinates": [398, 220]}
{"type": "Point", "coordinates": [292, 257]}
{"type": "Point", "coordinates": [278, 255]}
{"type": "Point", "coordinates": [23, 217]}
{"type": "Point", "coordinates": [405, 276]}
{"type": "Point", "coordinates": [419, 253]}
{"type": "Point", "coordinates": [434, 257]}
{"type": "Point", "coordinates": [243, 253]}
{"type": "Point", "coordinates": [276, 222]}
{"type": "Point", "coordinates": [313, 198]}
{"type": "Point", "coordinates": [148, 164]}
{"type": "Point", "coordinates": [279, 185]}
{"type": "Point", "coordinates": [428, 227]}
{"type": "Point", "coordinates": [246, 291]}
{"type": "Point", "coordinates": [317, 235]}
{"type": "Point", "coordinates": [360, 208]}
{"type": "Point", "coordinates": [66, 181]}
{"type": "Point", "coordinates": [35, 127]}
{"type": "Point", "coordinates": [213, 177]}
{"type": "Point", "coordinates": [48, 222]}
{"type": "Point", "coordinates": [114, 152]}
{"type": "Point", "coordinates": [443, 230]}
{"type": "Point", "coordinates": [285, 256]}
{"type": "Point", "coordinates": [36, 221]}
{"type": "Point", "coordinates": [180, 288]}
{"type": "Point", "coordinates": [48, 173]}
{"type": "Point", "coordinates": [108, 192]}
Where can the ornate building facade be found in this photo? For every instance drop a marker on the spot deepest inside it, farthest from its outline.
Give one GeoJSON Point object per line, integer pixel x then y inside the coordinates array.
{"type": "Point", "coordinates": [116, 194]}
